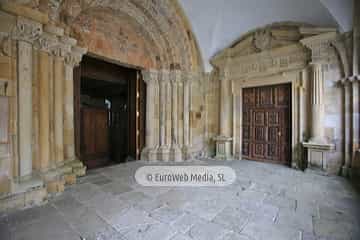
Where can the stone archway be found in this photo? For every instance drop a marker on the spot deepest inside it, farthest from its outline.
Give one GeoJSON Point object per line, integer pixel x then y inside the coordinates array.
{"type": "Point", "coordinates": [45, 40]}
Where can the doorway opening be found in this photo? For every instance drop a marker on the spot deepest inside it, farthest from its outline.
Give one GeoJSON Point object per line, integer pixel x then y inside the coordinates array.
{"type": "Point", "coordinates": [109, 102]}
{"type": "Point", "coordinates": [266, 124]}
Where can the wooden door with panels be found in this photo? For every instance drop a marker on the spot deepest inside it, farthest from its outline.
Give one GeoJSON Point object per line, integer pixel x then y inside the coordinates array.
{"type": "Point", "coordinates": [266, 122]}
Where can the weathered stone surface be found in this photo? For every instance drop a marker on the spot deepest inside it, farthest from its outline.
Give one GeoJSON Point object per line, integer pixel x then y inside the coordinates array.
{"type": "Point", "coordinates": [254, 213]}
{"type": "Point", "coordinates": [208, 231]}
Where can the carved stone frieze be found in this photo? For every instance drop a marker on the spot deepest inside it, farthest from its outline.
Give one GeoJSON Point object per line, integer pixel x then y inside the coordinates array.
{"type": "Point", "coordinates": [282, 59]}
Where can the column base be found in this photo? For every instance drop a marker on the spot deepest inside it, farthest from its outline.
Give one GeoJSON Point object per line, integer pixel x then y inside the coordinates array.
{"type": "Point", "coordinates": [318, 154]}
{"type": "Point", "coordinates": [346, 172]}
{"type": "Point", "coordinates": [150, 154]}
{"type": "Point", "coordinates": [176, 154]}
{"type": "Point", "coordinates": [164, 153]}
{"type": "Point", "coordinates": [223, 148]}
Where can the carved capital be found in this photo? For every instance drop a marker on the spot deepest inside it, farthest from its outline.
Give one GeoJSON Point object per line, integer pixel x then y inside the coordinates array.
{"type": "Point", "coordinates": [176, 76]}
{"type": "Point", "coordinates": [164, 76]}
{"type": "Point", "coordinates": [150, 76]}
{"type": "Point", "coordinates": [46, 42]}
{"type": "Point", "coordinates": [320, 46]}
{"type": "Point", "coordinates": [224, 74]}
{"type": "Point", "coordinates": [73, 58]}
{"type": "Point", "coordinates": [27, 30]}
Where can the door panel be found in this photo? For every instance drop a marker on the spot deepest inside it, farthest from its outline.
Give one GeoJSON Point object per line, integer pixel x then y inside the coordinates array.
{"type": "Point", "coordinates": [266, 123]}
{"type": "Point", "coordinates": [95, 136]}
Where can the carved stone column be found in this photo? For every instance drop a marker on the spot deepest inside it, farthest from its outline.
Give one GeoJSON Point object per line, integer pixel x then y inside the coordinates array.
{"type": "Point", "coordinates": [347, 127]}
{"type": "Point", "coordinates": [25, 107]}
{"type": "Point", "coordinates": [175, 150]}
{"type": "Point", "coordinates": [186, 116]}
{"type": "Point", "coordinates": [151, 79]}
{"type": "Point", "coordinates": [72, 59]}
{"type": "Point", "coordinates": [59, 109]}
{"type": "Point", "coordinates": [318, 146]}
{"type": "Point", "coordinates": [27, 31]}
{"type": "Point", "coordinates": [163, 148]}
{"type": "Point", "coordinates": [224, 141]}
{"type": "Point", "coordinates": [317, 104]}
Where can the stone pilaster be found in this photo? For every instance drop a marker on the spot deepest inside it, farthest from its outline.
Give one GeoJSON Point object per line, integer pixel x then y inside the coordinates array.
{"type": "Point", "coordinates": [321, 52]}
{"type": "Point", "coordinates": [224, 140]}
{"type": "Point", "coordinates": [151, 79]}
{"type": "Point", "coordinates": [175, 149]}
{"type": "Point", "coordinates": [317, 104]}
{"type": "Point", "coordinates": [26, 32]}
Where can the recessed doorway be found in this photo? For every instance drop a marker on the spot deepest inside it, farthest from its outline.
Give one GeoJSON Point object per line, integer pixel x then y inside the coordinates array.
{"type": "Point", "coordinates": [266, 121]}
{"type": "Point", "coordinates": [109, 102]}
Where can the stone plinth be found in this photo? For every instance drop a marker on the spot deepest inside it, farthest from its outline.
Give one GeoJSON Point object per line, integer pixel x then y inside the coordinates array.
{"type": "Point", "coordinates": [318, 154]}
{"type": "Point", "coordinates": [223, 148]}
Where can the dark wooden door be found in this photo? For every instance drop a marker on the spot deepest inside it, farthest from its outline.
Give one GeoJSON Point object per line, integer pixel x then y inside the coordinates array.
{"type": "Point", "coordinates": [95, 136]}
{"type": "Point", "coordinates": [266, 124]}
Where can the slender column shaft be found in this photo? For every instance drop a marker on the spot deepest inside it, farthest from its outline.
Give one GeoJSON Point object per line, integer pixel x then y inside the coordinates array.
{"type": "Point", "coordinates": [162, 112]}
{"type": "Point", "coordinates": [355, 117]}
{"type": "Point", "coordinates": [25, 107]}
{"type": "Point", "coordinates": [59, 109]}
{"type": "Point", "coordinates": [356, 41]}
{"type": "Point", "coordinates": [225, 110]}
{"type": "Point", "coordinates": [317, 86]}
{"type": "Point", "coordinates": [347, 120]}
{"type": "Point", "coordinates": [168, 113]}
{"type": "Point", "coordinates": [69, 134]}
{"type": "Point", "coordinates": [174, 113]}
{"type": "Point", "coordinates": [150, 112]}
{"type": "Point", "coordinates": [186, 113]}
{"type": "Point", "coordinates": [44, 111]}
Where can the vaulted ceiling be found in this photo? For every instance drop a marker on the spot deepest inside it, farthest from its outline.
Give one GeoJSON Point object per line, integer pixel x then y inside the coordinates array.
{"type": "Point", "coordinates": [218, 23]}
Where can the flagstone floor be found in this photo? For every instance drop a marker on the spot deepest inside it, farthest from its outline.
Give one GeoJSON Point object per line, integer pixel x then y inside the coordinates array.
{"type": "Point", "coordinates": [267, 202]}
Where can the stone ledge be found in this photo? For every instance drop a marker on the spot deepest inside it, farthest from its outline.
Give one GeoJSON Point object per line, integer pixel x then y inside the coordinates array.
{"type": "Point", "coordinates": [32, 197]}
{"type": "Point", "coordinates": [27, 12]}
{"type": "Point", "coordinates": [319, 146]}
